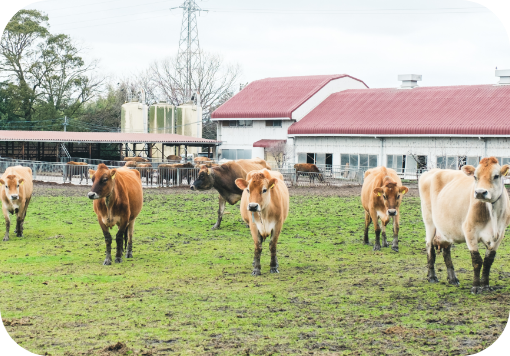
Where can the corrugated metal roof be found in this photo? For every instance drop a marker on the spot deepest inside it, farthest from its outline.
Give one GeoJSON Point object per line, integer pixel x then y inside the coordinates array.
{"type": "Point", "coordinates": [451, 110]}
{"type": "Point", "coordinates": [101, 137]}
{"type": "Point", "coordinates": [267, 143]}
{"type": "Point", "coordinates": [273, 97]}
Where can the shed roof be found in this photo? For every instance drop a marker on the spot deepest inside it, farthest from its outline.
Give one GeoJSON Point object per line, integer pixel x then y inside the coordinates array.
{"type": "Point", "coordinates": [273, 97]}
{"type": "Point", "coordinates": [267, 143]}
{"type": "Point", "coordinates": [449, 110]}
{"type": "Point", "coordinates": [103, 137]}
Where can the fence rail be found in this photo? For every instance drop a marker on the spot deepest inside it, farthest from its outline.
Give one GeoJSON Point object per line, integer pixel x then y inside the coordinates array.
{"type": "Point", "coordinates": [158, 175]}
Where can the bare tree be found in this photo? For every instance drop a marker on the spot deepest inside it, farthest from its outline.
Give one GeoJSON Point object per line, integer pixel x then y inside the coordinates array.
{"type": "Point", "coordinates": [281, 153]}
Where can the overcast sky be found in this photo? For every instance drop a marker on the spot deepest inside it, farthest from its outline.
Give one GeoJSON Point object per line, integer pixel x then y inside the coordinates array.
{"type": "Point", "coordinates": [449, 42]}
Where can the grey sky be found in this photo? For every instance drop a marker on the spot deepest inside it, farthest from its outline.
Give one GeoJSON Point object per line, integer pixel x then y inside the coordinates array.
{"type": "Point", "coordinates": [449, 42]}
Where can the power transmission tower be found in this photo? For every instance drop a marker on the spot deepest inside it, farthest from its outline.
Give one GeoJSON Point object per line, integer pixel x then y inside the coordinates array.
{"type": "Point", "coordinates": [188, 57]}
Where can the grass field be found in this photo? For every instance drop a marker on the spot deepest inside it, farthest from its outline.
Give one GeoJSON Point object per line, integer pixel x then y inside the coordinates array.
{"type": "Point", "coordinates": [189, 290]}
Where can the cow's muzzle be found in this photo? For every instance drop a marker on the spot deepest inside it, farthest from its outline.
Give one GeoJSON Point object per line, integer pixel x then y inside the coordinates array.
{"type": "Point", "coordinates": [482, 194]}
{"type": "Point", "coordinates": [14, 196]}
{"type": "Point", "coordinates": [93, 195]}
{"type": "Point", "coordinates": [392, 212]}
{"type": "Point", "coordinates": [253, 207]}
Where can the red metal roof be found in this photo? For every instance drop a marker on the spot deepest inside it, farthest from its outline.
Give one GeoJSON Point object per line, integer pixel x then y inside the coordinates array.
{"type": "Point", "coordinates": [267, 143]}
{"type": "Point", "coordinates": [273, 97]}
{"type": "Point", "coordinates": [452, 110]}
{"type": "Point", "coordinates": [95, 137]}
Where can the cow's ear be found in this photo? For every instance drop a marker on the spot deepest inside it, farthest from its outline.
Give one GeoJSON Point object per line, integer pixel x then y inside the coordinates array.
{"type": "Point", "coordinates": [20, 181]}
{"type": "Point", "coordinates": [266, 173]}
{"type": "Point", "coordinates": [468, 170]}
{"type": "Point", "coordinates": [272, 182]}
{"type": "Point", "coordinates": [241, 183]}
{"type": "Point", "coordinates": [505, 170]}
{"type": "Point", "coordinates": [2, 181]}
{"type": "Point", "coordinates": [378, 191]}
{"type": "Point", "coordinates": [403, 190]}
{"type": "Point", "coordinates": [91, 173]}
{"type": "Point", "coordinates": [112, 173]}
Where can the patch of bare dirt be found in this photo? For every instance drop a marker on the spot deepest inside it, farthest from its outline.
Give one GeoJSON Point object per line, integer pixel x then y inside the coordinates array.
{"type": "Point", "coordinates": [16, 322]}
{"type": "Point", "coordinates": [119, 348]}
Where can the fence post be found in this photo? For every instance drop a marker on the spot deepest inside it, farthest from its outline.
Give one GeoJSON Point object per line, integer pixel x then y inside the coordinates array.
{"type": "Point", "coordinates": [178, 177]}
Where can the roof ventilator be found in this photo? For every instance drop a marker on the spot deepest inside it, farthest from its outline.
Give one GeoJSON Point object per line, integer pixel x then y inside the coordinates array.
{"type": "Point", "coordinates": [504, 76]}
{"type": "Point", "coordinates": [409, 81]}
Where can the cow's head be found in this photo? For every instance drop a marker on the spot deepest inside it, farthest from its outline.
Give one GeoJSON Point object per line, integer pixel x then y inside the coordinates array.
{"type": "Point", "coordinates": [12, 184]}
{"type": "Point", "coordinates": [205, 180]}
{"type": "Point", "coordinates": [103, 182]}
{"type": "Point", "coordinates": [488, 179]}
{"type": "Point", "coordinates": [391, 194]}
{"type": "Point", "coordinates": [258, 185]}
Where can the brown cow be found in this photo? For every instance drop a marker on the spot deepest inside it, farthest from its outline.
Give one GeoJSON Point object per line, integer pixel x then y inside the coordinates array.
{"type": "Point", "coordinates": [130, 164]}
{"type": "Point", "coordinates": [76, 169]}
{"type": "Point", "coordinates": [264, 206]}
{"type": "Point", "coordinates": [381, 196]}
{"type": "Point", "coordinates": [146, 171]}
{"type": "Point", "coordinates": [118, 199]}
{"type": "Point", "coordinates": [16, 193]}
{"type": "Point", "coordinates": [310, 169]}
{"type": "Point", "coordinates": [174, 158]}
{"type": "Point", "coordinates": [207, 164]}
{"type": "Point", "coordinates": [199, 160]}
{"type": "Point", "coordinates": [136, 159]}
{"type": "Point", "coordinates": [167, 173]}
{"type": "Point", "coordinates": [222, 178]}
{"type": "Point", "coordinates": [468, 206]}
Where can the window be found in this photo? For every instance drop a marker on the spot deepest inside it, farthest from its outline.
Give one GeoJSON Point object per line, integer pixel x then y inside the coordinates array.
{"type": "Point", "coordinates": [238, 123]}
{"type": "Point", "coordinates": [310, 158]}
{"type": "Point", "coordinates": [505, 160]}
{"type": "Point", "coordinates": [234, 154]}
{"type": "Point", "coordinates": [473, 161]}
{"type": "Point", "coordinates": [362, 161]}
{"type": "Point", "coordinates": [329, 159]}
{"type": "Point", "coordinates": [450, 162]}
{"type": "Point", "coordinates": [396, 162]}
{"type": "Point", "coordinates": [274, 123]}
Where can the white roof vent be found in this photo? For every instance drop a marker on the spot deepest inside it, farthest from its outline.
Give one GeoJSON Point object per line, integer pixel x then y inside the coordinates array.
{"type": "Point", "coordinates": [409, 81]}
{"type": "Point", "coordinates": [504, 76]}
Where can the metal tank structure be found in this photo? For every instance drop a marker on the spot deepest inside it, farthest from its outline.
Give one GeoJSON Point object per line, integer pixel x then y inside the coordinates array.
{"type": "Point", "coordinates": [162, 120]}
{"type": "Point", "coordinates": [188, 122]}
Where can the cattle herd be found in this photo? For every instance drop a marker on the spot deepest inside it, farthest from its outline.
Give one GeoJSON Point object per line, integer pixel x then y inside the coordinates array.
{"type": "Point", "coordinates": [468, 206]}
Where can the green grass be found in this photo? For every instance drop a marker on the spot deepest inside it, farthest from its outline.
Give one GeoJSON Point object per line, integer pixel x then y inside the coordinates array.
{"type": "Point", "coordinates": [189, 289]}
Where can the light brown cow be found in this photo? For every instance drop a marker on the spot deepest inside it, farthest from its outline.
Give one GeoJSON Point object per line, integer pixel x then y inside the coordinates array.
{"type": "Point", "coordinates": [118, 199]}
{"type": "Point", "coordinates": [309, 169]}
{"type": "Point", "coordinates": [201, 160]}
{"type": "Point", "coordinates": [470, 206]}
{"type": "Point", "coordinates": [381, 196]}
{"type": "Point", "coordinates": [130, 164]}
{"type": "Point", "coordinates": [135, 159]}
{"type": "Point", "coordinates": [264, 206]}
{"type": "Point", "coordinates": [174, 158]}
{"type": "Point", "coordinates": [222, 178]}
{"type": "Point", "coordinates": [76, 169]}
{"type": "Point", "coordinates": [146, 170]}
{"type": "Point", "coordinates": [16, 191]}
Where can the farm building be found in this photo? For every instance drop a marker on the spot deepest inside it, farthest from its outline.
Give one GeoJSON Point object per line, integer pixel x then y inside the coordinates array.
{"type": "Point", "coordinates": [406, 128]}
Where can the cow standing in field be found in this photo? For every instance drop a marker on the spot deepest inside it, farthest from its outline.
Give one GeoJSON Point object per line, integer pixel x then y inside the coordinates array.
{"type": "Point", "coordinates": [311, 170]}
{"type": "Point", "coordinates": [118, 199]}
{"type": "Point", "coordinates": [468, 206]}
{"type": "Point", "coordinates": [76, 169]}
{"type": "Point", "coordinates": [264, 206]}
{"type": "Point", "coordinates": [223, 177]}
{"type": "Point", "coordinates": [381, 196]}
{"type": "Point", "coordinates": [16, 192]}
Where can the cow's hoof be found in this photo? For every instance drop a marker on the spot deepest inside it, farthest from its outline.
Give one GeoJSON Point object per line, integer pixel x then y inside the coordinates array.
{"type": "Point", "coordinates": [385, 244]}
{"type": "Point", "coordinates": [129, 255]}
{"type": "Point", "coordinates": [366, 243]}
{"type": "Point", "coordinates": [256, 272]}
{"type": "Point", "coordinates": [454, 282]}
{"type": "Point", "coordinates": [6, 238]}
{"type": "Point", "coordinates": [433, 279]}
{"type": "Point", "coordinates": [118, 260]}
{"type": "Point", "coordinates": [394, 248]}
{"type": "Point", "coordinates": [274, 270]}
{"type": "Point", "coordinates": [476, 290]}
{"type": "Point", "coordinates": [214, 227]}
{"type": "Point", "coordinates": [19, 235]}
{"type": "Point", "coordinates": [488, 289]}
{"type": "Point", "coordinates": [107, 262]}
{"type": "Point", "coordinates": [377, 247]}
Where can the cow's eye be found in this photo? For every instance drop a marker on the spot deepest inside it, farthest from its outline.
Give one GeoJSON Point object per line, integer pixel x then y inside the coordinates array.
{"type": "Point", "coordinates": [384, 196]}
{"type": "Point", "coordinates": [17, 186]}
{"type": "Point", "coordinates": [247, 190]}
{"type": "Point", "coordinates": [475, 178]}
{"type": "Point", "coordinates": [398, 196]}
{"type": "Point", "coordinates": [264, 190]}
{"type": "Point", "coordinates": [104, 180]}
{"type": "Point", "coordinates": [496, 176]}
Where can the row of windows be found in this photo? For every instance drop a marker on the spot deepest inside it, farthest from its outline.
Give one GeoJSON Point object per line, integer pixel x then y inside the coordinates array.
{"type": "Point", "coordinates": [235, 154]}
{"type": "Point", "coordinates": [355, 161]}
{"type": "Point", "coordinates": [249, 123]}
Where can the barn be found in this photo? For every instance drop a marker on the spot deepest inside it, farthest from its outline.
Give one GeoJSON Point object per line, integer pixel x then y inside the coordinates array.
{"type": "Point", "coordinates": [407, 128]}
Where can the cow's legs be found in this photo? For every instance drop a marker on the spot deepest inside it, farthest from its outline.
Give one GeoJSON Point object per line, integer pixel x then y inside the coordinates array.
{"type": "Point", "coordinates": [368, 220]}
{"type": "Point", "coordinates": [129, 235]}
{"type": "Point", "coordinates": [452, 278]}
{"type": "Point", "coordinates": [477, 266]}
{"type": "Point", "coordinates": [272, 247]}
{"type": "Point", "coordinates": [119, 238]}
{"type": "Point", "coordinates": [377, 227]}
{"type": "Point", "coordinates": [383, 234]}
{"type": "Point", "coordinates": [221, 210]}
{"type": "Point", "coordinates": [396, 227]}
{"type": "Point", "coordinates": [431, 260]}
{"type": "Point", "coordinates": [490, 255]}
{"type": "Point", "coordinates": [108, 241]}
{"type": "Point", "coordinates": [7, 223]}
{"type": "Point", "coordinates": [19, 223]}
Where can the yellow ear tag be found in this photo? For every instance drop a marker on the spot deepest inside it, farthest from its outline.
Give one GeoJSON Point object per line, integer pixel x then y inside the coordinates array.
{"type": "Point", "coordinates": [113, 177]}
{"type": "Point", "coordinates": [378, 194]}
{"type": "Point", "coordinates": [507, 171]}
{"type": "Point", "coordinates": [22, 183]}
{"type": "Point", "coordinates": [403, 192]}
{"type": "Point", "coordinates": [271, 187]}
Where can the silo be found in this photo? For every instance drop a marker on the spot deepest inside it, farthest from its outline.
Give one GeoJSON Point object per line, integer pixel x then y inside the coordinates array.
{"type": "Point", "coordinates": [134, 117]}
{"type": "Point", "coordinates": [161, 120]}
{"type": "Point", "coordinates": [188, 122]}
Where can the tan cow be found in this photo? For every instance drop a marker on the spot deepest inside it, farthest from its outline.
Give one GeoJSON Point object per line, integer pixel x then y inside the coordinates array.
{"type": "Point", "coordinates": [174, 158]}
{"type": "Point", "coordinates": [76, 169]}
{"type": "Point", "coordinates": [381, 196]}
{"type": "Point", "coordinates": [118, 199]}
{"type": "Point", "coordinates": [264, 206]}
{"type": "Point", "coordinates": [146, 170]}
{"type": "Point", "coordinates": [309, 169]}
{"type": "Point", "coordinates": [130, 164]}
{"type": "Point", "coordinates": [16, 193]}
{"type": "Point", "coordinates": [470, 206]}
{"type": "Point", "coordinates": [201, 160]}
{"type": "Point", "coordinates": [135, 159]}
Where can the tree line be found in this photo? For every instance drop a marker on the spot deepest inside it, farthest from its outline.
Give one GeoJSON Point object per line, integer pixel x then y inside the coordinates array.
{"type": "Point", "coordinates": [44, 78]}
